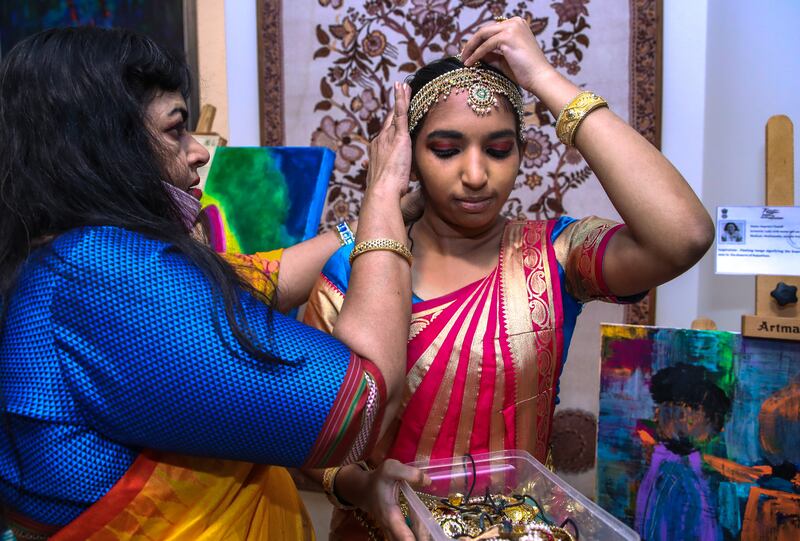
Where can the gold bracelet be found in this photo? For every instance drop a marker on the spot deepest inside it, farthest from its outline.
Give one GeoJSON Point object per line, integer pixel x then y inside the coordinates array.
{"type": "Point", "coordinates": [328, 476]}
{"type": "Point", "coordinates": [388, 245]}
{"type": "Point", "coordinates": [328, 479]}
{"type": "Point", "coordinates": [573, 114]}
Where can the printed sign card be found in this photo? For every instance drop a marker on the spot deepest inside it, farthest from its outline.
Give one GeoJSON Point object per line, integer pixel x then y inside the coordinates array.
{"type": "Point", "coordinates": [758, 240]}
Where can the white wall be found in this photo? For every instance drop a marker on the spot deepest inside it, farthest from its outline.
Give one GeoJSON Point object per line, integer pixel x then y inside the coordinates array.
{"type": "Point", "coordinates": [241, 46]}
{"type": "Point", "coordinates": [752, 71]}
{"type": "Point", "coordinates": [683, 114]}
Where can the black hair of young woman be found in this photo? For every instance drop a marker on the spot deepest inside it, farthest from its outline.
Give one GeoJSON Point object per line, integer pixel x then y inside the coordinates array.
{"type": "Point", "coordinates": [77, 151]}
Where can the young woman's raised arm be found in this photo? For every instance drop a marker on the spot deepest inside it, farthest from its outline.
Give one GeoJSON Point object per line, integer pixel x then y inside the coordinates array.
{"type": "Point", "coordinates": [668, 229]}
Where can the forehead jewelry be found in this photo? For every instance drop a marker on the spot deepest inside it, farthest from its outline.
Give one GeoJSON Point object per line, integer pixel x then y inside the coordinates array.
{"type": "Point", "coordinates": [482, 87]}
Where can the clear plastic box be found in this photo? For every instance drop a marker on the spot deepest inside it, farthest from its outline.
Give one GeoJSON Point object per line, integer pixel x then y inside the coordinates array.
{"type": "Point", "coordinates": [511, 472]}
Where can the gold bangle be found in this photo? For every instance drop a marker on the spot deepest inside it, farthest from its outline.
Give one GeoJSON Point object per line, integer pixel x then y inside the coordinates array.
{"type": "Point", "coordinates": [328, 479]}
{"type": "Point", "coordinates": [388, 245]}
{"type": "Point", "coordinates": [573, 114]}
{"type": "Point", "coordinates": [328, 476]}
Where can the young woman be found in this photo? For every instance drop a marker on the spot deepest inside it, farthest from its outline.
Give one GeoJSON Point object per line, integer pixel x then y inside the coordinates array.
{"type": "Point", "coordinates": [136, 367]}
{"type": "Point", "coordinates": [495, 302]}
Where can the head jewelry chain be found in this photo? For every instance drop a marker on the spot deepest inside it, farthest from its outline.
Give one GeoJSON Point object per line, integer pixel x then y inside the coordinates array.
{"type": "Point", "coordinates": [482, 86]}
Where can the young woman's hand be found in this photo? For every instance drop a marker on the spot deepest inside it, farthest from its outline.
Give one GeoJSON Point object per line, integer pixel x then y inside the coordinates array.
{"type": "Point", "coordinates": [390, 150]}
{"type": "Point", "coordinates": [511, 47]}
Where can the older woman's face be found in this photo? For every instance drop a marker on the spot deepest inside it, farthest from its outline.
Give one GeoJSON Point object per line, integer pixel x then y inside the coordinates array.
{"type": "Point", "coordinates": [467, 163]}
{"type": "Point", "coordinates": [166, 115]}
{"type": "Point", "coordinates": [730, 228]}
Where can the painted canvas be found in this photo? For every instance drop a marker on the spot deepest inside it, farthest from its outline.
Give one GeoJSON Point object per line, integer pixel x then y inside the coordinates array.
{"type": "Point", "coordinates": [262, 198]}
{"type": "Point", "coordinates": [164, 21]}
{"type": "Point", "coordinates": [699, 434]}
{"type": "Point", "coordinates": [171, 23]}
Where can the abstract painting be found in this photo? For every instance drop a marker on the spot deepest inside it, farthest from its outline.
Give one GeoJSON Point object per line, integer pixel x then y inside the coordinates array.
{"type": "Point", "coordinates": [169, 22]}
{"type": "Point", "coordinates": [164, 21]}
{"type": "Point", "coordinates": [699, 434]}
{"type": "Point", "coordinates": [257, 199]}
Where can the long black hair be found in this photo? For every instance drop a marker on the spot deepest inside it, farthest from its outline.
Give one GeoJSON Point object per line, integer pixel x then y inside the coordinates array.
{"type": "Point", "coordinates": [77, 151]}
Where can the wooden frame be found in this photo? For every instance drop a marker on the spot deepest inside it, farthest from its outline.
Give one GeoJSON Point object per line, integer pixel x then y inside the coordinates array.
{"type": "Point", "coordinates": [270, 71]}
{"type": "Point", "coordinates": [645, 105]}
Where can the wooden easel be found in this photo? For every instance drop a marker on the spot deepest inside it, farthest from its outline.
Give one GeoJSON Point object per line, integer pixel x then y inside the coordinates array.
{"type": "Point", "coordinates": [771, 319]}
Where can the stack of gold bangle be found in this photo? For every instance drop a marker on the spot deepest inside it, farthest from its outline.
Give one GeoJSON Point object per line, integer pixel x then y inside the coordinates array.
{"type": "Point", "coordinates": [388, 245]}
{"type": "Point", "coordinates": [573, 114]}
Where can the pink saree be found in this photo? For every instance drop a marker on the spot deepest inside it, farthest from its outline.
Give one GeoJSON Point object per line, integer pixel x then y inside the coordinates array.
{"type": "Point", "coordinates": [484, 361]}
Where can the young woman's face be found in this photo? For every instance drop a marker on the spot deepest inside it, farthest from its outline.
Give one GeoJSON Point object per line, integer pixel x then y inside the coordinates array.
{"type": "Point", "coordinates": [166, 115]}
{"type": "Point", "coordinates": [467, 163]}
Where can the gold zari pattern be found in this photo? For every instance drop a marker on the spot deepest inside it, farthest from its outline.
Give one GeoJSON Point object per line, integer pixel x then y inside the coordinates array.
{"type": "Point", "coordinates": [573, 114]}
{"type": "Point", "coordinates": [482, 86]}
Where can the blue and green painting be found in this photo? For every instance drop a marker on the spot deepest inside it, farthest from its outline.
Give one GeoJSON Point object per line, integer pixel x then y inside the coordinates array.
{"type": "Point", "coordinates": [699, 434]}
{"type": "Point", "coordinates": [257, 199]}
{"type": "Point", "coordinates": [163, 20]}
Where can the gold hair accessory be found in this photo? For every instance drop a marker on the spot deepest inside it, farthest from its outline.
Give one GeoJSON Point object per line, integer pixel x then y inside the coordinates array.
{"type": "Point", "coordinates": [388, 245]}
{"type": "Point", "coordinates": [482, 86]}
{"type": "Point", "coordinates": [500, 19]}
{"type": "Point", "coordinates": [573, 114]}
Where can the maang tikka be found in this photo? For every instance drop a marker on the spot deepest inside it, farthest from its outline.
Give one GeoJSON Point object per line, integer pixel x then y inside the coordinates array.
{"type": "Point", "coordinates": [482, 86]}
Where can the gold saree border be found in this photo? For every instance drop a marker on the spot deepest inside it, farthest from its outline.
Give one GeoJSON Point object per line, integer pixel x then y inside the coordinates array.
{"type": "Point", "coordinates": [529, 312]}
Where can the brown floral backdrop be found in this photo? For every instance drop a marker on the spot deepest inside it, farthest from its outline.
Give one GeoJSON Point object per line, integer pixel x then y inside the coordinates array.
{"type": "Point", "coordinates": [327, 67]}
{"type": "Point", "coordinates": [376, 42]}
{"type": "Point", "coordinates": [354, 51]}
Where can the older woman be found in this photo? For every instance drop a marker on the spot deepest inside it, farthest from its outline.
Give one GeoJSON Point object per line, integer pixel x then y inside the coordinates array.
{"type": "Point", "coordinates": [137, 369]}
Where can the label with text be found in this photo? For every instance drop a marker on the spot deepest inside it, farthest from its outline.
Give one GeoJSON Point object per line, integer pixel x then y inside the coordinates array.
{"type": "Point", "coordinates": [758, 240]}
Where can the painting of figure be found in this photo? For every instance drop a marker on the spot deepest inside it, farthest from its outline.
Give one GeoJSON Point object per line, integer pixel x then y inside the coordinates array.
{"type": "Point", "coordinates": [699, 434]}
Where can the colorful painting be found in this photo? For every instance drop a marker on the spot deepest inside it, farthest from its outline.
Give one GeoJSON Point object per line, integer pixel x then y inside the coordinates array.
{"type": "Point", "coordinates": [262, 198]}
{"type": "Point", "coordinates": [164, 21]}
{"type": "Point", "coordinates": [699, 434]}
{"type": "Point", "coordinates": [169, 22]}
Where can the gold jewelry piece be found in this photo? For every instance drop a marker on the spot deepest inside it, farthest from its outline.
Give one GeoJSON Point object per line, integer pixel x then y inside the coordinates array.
{"type": "Point", "coordinates": [388, 245]}
{"type": "Point", "coordinates": [482, 86]}
{"type": "Point", "coordinates": [500, 19]}
{"type": "Point", "coordinates": [328, 478]}
{"type": "Point", "coordinates": [573, 114]}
